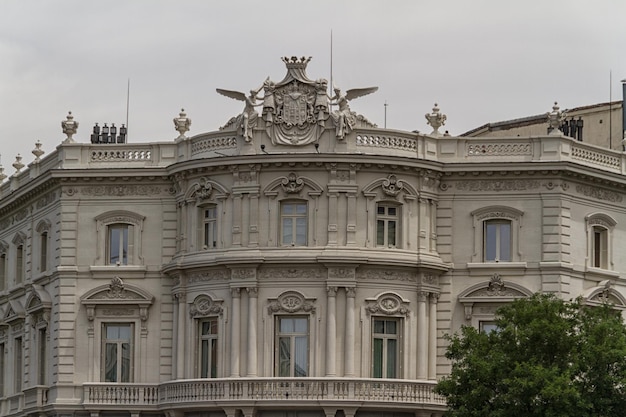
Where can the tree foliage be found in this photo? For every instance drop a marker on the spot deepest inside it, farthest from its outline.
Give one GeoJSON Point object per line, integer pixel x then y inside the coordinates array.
{"type": "Point", "coordinates": [548, 358]}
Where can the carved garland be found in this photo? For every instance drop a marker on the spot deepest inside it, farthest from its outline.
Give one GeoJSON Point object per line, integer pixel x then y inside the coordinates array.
{"type": "Point", "coordinates": [291, 302]}
{"type": "Point", "coordinates": [389, 304]}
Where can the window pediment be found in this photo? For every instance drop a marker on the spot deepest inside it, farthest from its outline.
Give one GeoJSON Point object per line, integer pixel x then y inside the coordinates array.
{"type": "Point", "coordinates": [117, 295]}
{"type": "Point", "coordinates": [291, 302]}
{"type": "Point", "coordinates": [604, 293]}
{"type": "Point", "coordinates": [293, 185]}
{"type": "Point", "coordinates": [496, 290]}
{"type": "Point", "coordinates": [14, 312]}
{"type": "Point", "coordinates": [390, 188]}
{"type": "Point", "coordinates": [389, 303]}
{"type": "Point", "coordinates": [204, 306]}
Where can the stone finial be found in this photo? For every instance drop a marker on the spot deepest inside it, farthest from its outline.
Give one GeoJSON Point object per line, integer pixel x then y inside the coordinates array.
{"type": "Point", "coordinates": [182, 123]}
{"type": "Point", "coordinates": [436, 120]}
{"type": "Point", "coordinates": [38, 151]}
{"type": "Point", "coordinates": [555, 119]}
{"type": "Point", "coordinates": [70, 126]}
{"type": "Point", "coordinates": [18, 163]}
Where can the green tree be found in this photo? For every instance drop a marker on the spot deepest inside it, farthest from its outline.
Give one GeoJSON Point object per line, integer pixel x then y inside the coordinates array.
{"type": "Point", "coordinates": [548, 358]}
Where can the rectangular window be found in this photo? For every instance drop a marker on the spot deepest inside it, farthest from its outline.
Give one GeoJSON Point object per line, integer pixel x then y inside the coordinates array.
{"type": "Point", "coordinates": [19, 265]}
{"type": "Point", "coordinates": [117, 352]}
{"type": "Point", "coordinates": [294, 221]}
{"type": "Point", "coordinates": [497, 241]}
{"type": "Point", "coordinates": [600, 247]}
{"type": "Point", "coordinates": [210, 227]}
{"type": "Point", "coordinates": [3, 271]}
{"type": "Point", "coordinates": [41, 351]}
{"type": "Point", "coordinates": [2, 370]}
{"type": "Point", "coordinates": [387, 221]}
{"type": "Point", "coordinates": [18, 364]}
{"type": "Point", "coordinates": [292, 346]}
{"type": "Point", "coordinates": [43, 252]}
{"type": "Point", "coordinates": [386, 348]}
{"type": "Point", "coordinates": [487, 326]}
{"type": "Point", "coordinates": [118, 244]}
{"type": "Point", "coordinates": [208, 348]}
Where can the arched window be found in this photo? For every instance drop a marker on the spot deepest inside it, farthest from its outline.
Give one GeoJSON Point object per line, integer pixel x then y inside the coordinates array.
{"type": "Point", "coordinates": [496, 234]}
{"type": "Point", "coordinates": [599, 240]}
{"type": "Point", "coordinates": [119, 238]}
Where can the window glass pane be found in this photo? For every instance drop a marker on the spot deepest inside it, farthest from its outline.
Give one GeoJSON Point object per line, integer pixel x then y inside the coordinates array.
{"type": "Point", "coordinates": [126, 362]}
{"type": "Point", "coordinates": [110, 362]}
{"type": "Point", "coordinates": [381, 210]}
{"type": "Point", "coordinates": [288, 208]}
{"type": "Point", "coordinates": [301, 209]}
{"type": "Point", "coordinates": [124, 248]}
{"type": "Point", "coordinates": [301, 325]}
{"type": "Point", "coordinates": [392, 347]}
{"type": "Point", "coordinates": [380, 232]}
{"type": "Point", "coordinates": [301, 231]}
{"type": "Point", "coordinates": [284, 356]}
{"type": "Point", "coordinates": [286, 325]}
{"type": "Point", "coordinates": [378, 358]}
{"type": "Point", "coordinates": [114, 246]}
{"type": "Point", "coordinates": [379, 326]}
{"type": "Point", "coordinates": [391, 327]}
{"type": "Point", "coordinates": [301, 363]}
{"type": "Point", "coordinates": [213, 358]}
{"type": "Point", "coordinates": [287, 230]}
{"type": "Point", "coordinates": [204, 359]}
{"type": "Point", "coordinates": [505, 241]}
{"type": "Point", "coordinates": [391, 211]}
{"type": "Point", "coordinates": [391, 241]}
{"type": "Point", "coordinates": [490, 241]}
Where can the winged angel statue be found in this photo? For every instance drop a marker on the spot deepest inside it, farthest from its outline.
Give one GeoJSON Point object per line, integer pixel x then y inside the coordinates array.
{"type": "Point", "coordinates": [247, 120]}
{"type": "Point", "coordinates": [344, 118]}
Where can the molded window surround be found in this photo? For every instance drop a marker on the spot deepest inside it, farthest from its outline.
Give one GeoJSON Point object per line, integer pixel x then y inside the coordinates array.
{"type": "Point", "coordinates": [386, 347]}
{"type": "Point", "coordinates": [497, 231]}
{"type": "Point", "coordinates": [119, 238]}
{"type": "Point", "coordinates": [208, 230]}
{"type": "Point", "coordinates": [388, 228]}
{"type": "Point", "coordinates": [292, 346]}
{"type": "Point", "coordinates": [294, 220]}
{"type": "Point", "coordinates": [599, 227]}
{"type": "Point", "coordinates": [42, 248]}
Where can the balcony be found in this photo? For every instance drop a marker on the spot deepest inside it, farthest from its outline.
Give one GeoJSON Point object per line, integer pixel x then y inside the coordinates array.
{"type": "Point", "coordinates": [260, 392]}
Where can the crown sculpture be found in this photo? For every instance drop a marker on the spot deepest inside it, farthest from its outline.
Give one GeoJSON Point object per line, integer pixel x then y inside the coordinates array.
{"type": "Point", "coordinates": [295, 110]}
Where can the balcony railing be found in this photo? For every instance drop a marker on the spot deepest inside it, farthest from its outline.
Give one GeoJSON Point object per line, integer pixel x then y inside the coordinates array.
{"type": "Point", "coordinates": [259, 390]}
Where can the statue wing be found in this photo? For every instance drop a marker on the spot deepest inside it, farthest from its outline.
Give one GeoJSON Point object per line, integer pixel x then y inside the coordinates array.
{"type": "Point", "coordinates": [237, 95]}
{"type": "Point", "coordinates": [359, 92]}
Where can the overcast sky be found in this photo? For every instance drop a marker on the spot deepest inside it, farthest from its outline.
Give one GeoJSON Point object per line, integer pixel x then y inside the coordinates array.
{"type": "Point", "coordinates": [482, 61]}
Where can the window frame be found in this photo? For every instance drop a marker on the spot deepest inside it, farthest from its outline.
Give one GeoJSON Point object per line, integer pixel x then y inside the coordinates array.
{"type": "Point", "coordinates": [481, 217]}
{"type": "Point", "coordinates": [105, 340]}
{"type": "Point", "coordinates": [498, 245]}
{"type": "Point", "coordinates": [599, 228]}
{"type": "Point", "coordinates": [212, 223]}
{"type": "Point", "coordinates": [294, 226]}
{"type": "Point", "coordinates": [4, 267]}
{"type": "Point", "coordinates": [386, 338]}
{"type": "Point", "coordinates": [213, 348]}
{"type": "Point", "coordinates": [18, 364]}
{"type": "Point", "coordinates": [292, 336]}
{"type": "Point", "coordinates": [114, 218]}
{"type": "Point", "coordinates": [386, 218]}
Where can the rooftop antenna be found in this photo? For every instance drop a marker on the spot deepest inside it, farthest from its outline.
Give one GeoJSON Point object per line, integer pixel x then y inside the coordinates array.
{"type": "Point", "coordinates": [610, 110]}
{"type": "Point", "coordinates": [386, 114]}
{"type": "Point", "coordinates": [127, 106]}
{"type": "Point", "coordinates": [330, 86]}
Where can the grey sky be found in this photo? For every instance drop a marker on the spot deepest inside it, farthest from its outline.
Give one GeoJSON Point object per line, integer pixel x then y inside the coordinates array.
{"type": "Point", "coordinates": [480, 60]}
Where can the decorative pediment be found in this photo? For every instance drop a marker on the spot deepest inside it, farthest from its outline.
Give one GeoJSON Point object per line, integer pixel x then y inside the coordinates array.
{"type": "Point", "coordinates": [205, 189]}
{"type": "Point", "coordinates": [389, 304]}
{"type": "Point", "coordinates": [291, 302]}
{"type": "Point", "coordinates": [38, 306]}
{"type": "Point", "coordinates": [14, 312]}
{"type": "Point", "coordinates": [604, 293]}
{"type": "Point", "coordinates": [496, 290]}
{"type": "Point", "coordinates": [119, 295]}
{"type": "Point", "coordinates": [291, 185]}
{"type": "Point", "coordinates": [390, 188]}
{"type": "Point", "coordinates": [205, 305]}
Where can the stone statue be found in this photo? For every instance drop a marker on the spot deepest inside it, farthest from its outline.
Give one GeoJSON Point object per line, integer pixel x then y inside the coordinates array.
{"type": "Point", "coordinates": [247, 120]}
{"type": "Point", "coordinates": [322, 100]}
{"type": "Point", "coordinates": [344, 118]}
{"type": "Point", "coordinates": [269, 102]}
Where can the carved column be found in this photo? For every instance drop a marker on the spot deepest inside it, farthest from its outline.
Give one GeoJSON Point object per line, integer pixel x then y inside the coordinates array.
{"type": "Point", "coordinates": [432, 337]}
{"type": "Point", "coordinates": [351, 226]}
{"type": "Point", "coordinates": [332, 219]}
{"type": "Point", "coordinates": [424, 223]}
{"type": "Point", "coordinates": [433, 226]}
{"type": "Point", "coordinates": [331, 331]}
{"type": "Point", "coordinates": [252, 323]}
{"type": "Point", "coordinates": [180, 342]}
{"type": "Point", "coordinates": [237, 219]}
{"type": "Point", "coordinates": [174, 337]}
{"type": "Point", "coordinates": [350, 332]}
{"type": "Point", "coordinates": [422, 336]}
{"type": "Point", "coordinates": [235, 328]}
{"type": "Point", "coordinates": [253, 227]}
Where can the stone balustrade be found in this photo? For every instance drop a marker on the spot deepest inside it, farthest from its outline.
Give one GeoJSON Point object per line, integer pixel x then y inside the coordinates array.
{"type": "Point", "coordinates": [189, 393]}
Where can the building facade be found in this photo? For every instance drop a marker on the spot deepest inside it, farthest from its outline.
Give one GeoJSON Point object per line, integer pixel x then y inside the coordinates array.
{"type": "Point", "coordinates": [299, 261]}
